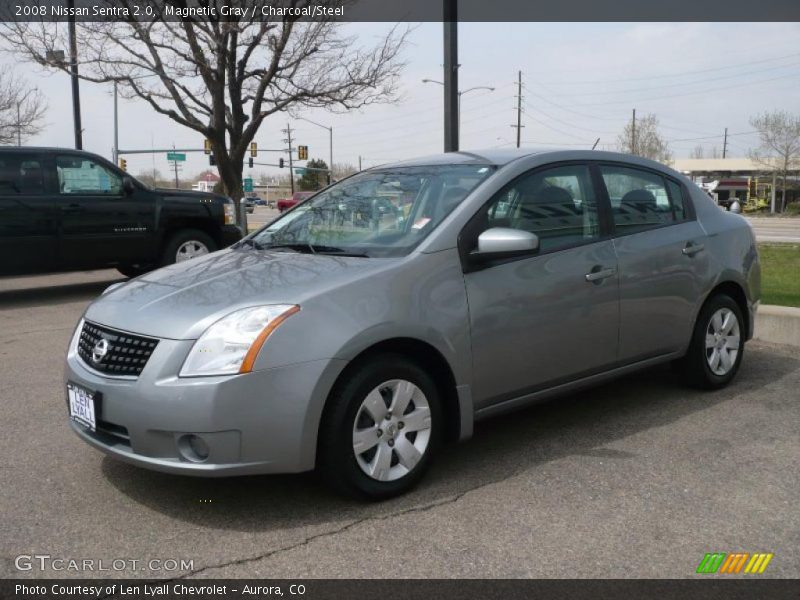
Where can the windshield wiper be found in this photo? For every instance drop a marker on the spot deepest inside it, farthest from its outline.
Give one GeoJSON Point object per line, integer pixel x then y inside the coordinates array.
{"type": "Point", "coordinates": [313, 249]}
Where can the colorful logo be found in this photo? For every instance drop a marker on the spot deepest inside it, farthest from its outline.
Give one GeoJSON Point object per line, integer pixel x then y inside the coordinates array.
{"type": "Point", "coordinates": [734, 563]}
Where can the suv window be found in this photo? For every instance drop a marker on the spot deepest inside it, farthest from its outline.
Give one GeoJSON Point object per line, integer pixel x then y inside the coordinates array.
{"type": "Point", "coordinates": [21, 175]}
{"type": "Point", "coordinates": [641, 200]}
{"type": "Point", "coordinates": [556, 204]}
{"type": "Point", "coordinates": [80, 175]}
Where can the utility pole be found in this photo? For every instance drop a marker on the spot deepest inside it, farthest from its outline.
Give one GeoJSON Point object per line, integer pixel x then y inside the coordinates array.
{"type": "Point", "coordinates": [519, 107]}
{"type": "Point", "coordinates": [288, 140]}
{"type": "Point", "coordinates": [359, 162]}
{"type": "Point", "coordinates": [116, 127]}
{"type": "Point", "coordinates": [175, 164]}
{"type": "Point", "coordinates": [73, 68]}
{"type": "Point", "coordinates": [633, 133]}
{"type": "Point", "coordinates": [725, 144]}
{"type": "Point", "coordinates": [450, 75]}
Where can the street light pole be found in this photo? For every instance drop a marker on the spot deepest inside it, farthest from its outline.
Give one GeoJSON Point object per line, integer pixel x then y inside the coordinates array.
{"type": "Point", "coordinates": [73, 67]}
{"type": "Point", "coordinates": [116, 127]}
{"type": "Point", "coordinates": [460, 93]}
{"type": "Point", "coordinates": [450, 19]}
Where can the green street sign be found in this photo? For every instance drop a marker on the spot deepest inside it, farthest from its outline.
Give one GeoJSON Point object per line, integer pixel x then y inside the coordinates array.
{"type": "Point", "coordinates": [176, 156]}
{"type": "Point", "coordinates": [299, 171]}
{"type": "Point", "coordinates": [248, 184]}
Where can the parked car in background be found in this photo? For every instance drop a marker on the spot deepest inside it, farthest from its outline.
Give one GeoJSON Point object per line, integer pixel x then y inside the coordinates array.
{"type": "Point", "coordinates": [66, 210]}
{"type": "Point", "coordinates": [385, 315]}
{"type": "Point", "coordinates": [297, 197]}
{"type": "Point", "coordinates": [250, 205]}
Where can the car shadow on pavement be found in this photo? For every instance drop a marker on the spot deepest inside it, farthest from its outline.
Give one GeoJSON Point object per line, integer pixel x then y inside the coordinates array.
{"type": "Point", "coordinates": [577, 424]}
{"type": "Point", "coordinates": [54, 294]}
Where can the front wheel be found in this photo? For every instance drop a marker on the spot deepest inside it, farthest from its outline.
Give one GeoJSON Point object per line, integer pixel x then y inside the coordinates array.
{"type": "Point", "coordinates": [380, 429]}
{"type": "Point", "coordinates": [717, 344]}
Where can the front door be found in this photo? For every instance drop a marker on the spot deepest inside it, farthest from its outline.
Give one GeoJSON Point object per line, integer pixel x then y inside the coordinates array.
{"type": "Point", "coordinates": [102, 224]}
{"type": "Point", "coordinates": [539, 321]}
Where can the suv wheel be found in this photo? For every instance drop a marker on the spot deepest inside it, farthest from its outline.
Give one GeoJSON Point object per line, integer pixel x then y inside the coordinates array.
{"type": "Point", "coordinates": [380, 429]}
{"type": "Point", "coordinates": [187, 244]}
{"type": "Point", "coordinates": [717, 345]}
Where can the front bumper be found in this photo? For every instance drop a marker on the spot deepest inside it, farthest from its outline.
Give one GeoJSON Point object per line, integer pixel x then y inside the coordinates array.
{"type": "Point", "coordinates": [260, 422]}
{"type": "Point", "coordinates": [230, 234]}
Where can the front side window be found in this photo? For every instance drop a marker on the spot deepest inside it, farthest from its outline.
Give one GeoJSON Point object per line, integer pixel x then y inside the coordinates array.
{"type": "Point", "coordinates": [377, 213]}
{"type": "Point", "coordinates": [556, 204]}
{"type": "Point", "coordinates": [640, 199]}
{"type": "Point", "coordinates": [21, 175]}
{"type": "Point", "coordinates": [80, 175]}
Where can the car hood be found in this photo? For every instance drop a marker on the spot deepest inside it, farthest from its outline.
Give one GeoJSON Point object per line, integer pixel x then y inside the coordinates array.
{"type": "Point", "coordinates": [182, 300]}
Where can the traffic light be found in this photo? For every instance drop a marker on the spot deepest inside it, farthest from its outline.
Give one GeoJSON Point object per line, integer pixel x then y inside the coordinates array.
{"type": "Point", "coordinates": [212, 160]}
{"type": "Point", "coordinates": [253, 149]}
{"type": "Point", "coordinates": [250, 162]}
{"type": "Point", "coordinates": [280, 163]}
{"type": "Point", "coordinates": [123, 164]}
{"type": "Point", "coordinates": [207, 146]}
{"type": "Point", "coordinates": [302, 153]}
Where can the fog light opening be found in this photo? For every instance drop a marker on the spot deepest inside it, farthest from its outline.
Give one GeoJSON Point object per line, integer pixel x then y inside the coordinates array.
{"type": "Point", "coordinates": [193, 448]}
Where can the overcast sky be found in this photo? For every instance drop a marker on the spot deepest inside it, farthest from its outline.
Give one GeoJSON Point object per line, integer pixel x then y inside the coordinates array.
{"type": "Point", "coordinates": [580, 82]}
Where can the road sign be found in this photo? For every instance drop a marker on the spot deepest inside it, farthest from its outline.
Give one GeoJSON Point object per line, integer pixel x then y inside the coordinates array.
{"type": "Point", "coordinates": [176, 156]}
{"type": "Point", "coordinates": [299, 171]}
{"type": "Point", "coordinates": [248, 184]}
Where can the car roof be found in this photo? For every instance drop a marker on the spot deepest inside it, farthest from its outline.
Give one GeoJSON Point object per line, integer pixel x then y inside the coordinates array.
{"type": "Point", "coordinates": [503, 156]}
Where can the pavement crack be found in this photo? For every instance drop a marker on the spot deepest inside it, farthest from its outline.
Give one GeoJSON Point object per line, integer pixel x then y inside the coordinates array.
{"type": "Point", "coordinates": [414, 509]}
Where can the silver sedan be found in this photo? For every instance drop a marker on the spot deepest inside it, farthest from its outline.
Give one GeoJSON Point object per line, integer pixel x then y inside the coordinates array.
{"type": "Point", "coordinates": [382, 317]}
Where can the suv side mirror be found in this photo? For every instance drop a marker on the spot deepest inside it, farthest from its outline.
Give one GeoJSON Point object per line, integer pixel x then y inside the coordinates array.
{"type": "Point", "coordinates": [505, 242]}
{"type": "Point", "coordinates": [128, 185]}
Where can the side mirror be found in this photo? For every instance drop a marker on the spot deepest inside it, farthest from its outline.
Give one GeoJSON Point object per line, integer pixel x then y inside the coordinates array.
{"type": "Point", "coordinates": [128, 185]}
{"type": "Point", "coordinates": [504, 242]}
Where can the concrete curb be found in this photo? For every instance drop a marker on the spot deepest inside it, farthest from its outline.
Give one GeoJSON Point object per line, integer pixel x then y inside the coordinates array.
{"type": "Point", "coordinates": [778, 324]}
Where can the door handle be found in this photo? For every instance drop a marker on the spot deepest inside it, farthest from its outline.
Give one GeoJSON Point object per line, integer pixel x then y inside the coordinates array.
{"type": "Point", "coordinates": [600, 274]}
{"type": "Point", "coordinates": [72, 208]}
{"type": "Point", "coordinates": [691, 249]}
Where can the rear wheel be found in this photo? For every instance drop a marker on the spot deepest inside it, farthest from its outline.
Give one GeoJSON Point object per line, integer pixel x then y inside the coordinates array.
{"type": "Point", "coordinates": [134, 270]}
{"type": "Point", "coordinates": [717, 345]}
{"type": "Point", "coordinates": [186, 245]}
{"type": "Point", "coordinates": [380, 429]}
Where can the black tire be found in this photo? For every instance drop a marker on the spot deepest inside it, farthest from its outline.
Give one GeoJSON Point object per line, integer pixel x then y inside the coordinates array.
{"type": "Point", "coordinates": [694, 367]}
{"type": "Point", "coordinates": [134, 270]}
{"type": "Point", "coordinates": [169, 254]}
{"type": "Point", "coordinates": [336, 458]}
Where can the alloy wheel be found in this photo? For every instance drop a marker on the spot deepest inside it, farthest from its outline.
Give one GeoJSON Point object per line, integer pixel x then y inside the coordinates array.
{"type": "Point", "coordinates": [190, 249]}
{"type": "Point", "coordinates": [722, 341]}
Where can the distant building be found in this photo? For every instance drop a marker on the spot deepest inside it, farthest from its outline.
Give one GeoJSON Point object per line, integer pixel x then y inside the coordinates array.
{"type": "Point", "coordinates": [206, 182]}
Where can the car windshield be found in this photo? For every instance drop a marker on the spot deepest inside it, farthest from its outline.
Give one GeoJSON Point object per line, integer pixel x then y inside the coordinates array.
{"type": "Point", "coordinates": [377, 213]}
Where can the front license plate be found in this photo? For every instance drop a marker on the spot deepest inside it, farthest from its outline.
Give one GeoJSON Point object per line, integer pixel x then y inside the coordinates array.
{"type": "Point", "coordinates": [81, 405]}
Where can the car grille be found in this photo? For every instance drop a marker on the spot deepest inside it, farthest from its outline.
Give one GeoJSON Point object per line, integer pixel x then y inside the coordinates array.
{"type": "Point", "coordinates": [126, 354]}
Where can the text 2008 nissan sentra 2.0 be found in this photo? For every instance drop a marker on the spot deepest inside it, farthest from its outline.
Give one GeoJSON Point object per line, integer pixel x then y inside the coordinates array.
{"type": "Point", "coordinates": [371, 323]}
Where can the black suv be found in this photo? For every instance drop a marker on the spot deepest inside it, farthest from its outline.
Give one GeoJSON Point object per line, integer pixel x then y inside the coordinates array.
{"type": "Point", "coordinates": [67, 210]}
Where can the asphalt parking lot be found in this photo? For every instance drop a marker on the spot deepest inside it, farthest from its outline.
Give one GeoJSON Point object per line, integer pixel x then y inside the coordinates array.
{"type": "Point", "coordinates": [638, 478]}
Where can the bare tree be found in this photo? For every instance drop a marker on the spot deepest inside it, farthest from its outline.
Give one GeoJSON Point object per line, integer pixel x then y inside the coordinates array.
{"type": "Point", "coordinates": [220, 76]}
{"type": "Point", "coordinates": [697, 152]}
{"type": "Point", "coordinates": [643, 139]}
{"type": "Point", "coordinates": [779, 144]}
{"type": "Point", "coordinates": [22, 109]}
{"type": "Point", "coordinates": [342, 170]}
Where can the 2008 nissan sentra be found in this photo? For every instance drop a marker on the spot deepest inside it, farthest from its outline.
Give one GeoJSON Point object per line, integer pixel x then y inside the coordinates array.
{"type": "Point", "coordinates": [381, 317]}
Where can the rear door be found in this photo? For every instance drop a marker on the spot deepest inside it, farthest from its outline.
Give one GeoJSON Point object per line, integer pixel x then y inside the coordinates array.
{"type": "Point", "coordinates": [101, 224]}
{"type": "Point", "coordinates": [28, 224]}
{"type": "Point", "coordinates": [661, 252]}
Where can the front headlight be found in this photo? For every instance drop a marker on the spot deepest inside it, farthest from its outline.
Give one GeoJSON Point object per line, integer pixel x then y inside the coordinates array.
{"type": "Point", "coordinates": [231, 345]}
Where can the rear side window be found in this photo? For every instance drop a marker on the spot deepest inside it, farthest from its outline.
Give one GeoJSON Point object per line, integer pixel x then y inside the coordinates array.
{"type": "Point", "coordinates": [80, 175]}
{"type": "Point", "coordinates": [642, 200]}
{"type": "Point", "coordinates": [21, 175]}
